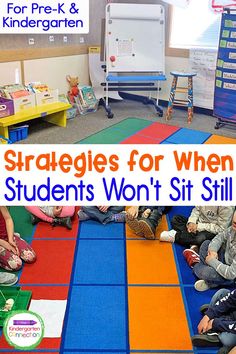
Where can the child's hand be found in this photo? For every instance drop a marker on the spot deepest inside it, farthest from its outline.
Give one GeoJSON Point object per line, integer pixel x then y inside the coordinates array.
{"type": "Point", "coordinates": [203, 324]}
{"type": "Point", "coordinates": [191, 227]}
{"type": "Point", "coordinates": [10, 248]}
{"type": "Point", "coordinates": [146, 213]}
{"type": "Point", "coordinates": [132, 212]}
{"type": "Point", "coordinates": [211, 255]}
{"type": "Point", "coordinates": [13, 244]}
{"type": "Point", "coordinates": [103, 209]}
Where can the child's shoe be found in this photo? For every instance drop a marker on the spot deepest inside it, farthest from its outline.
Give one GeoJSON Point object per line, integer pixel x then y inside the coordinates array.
{"type": "Point", "coordinates": [201, 285]}
{"type": "Point", "coordinates": [191, 257]}
{"type": "Point", "coordinates": [207, 339]}
{"type": "Point", "coordinates": [168, 236]}
{"type": "Point", "coordinates": [119, 217]}
{"type": "Point", "coordinates": [134, 226]}
{"type": "Point", "coordinates": [34, 219]}
{"type": "Point", "coordinates": [148, 229]}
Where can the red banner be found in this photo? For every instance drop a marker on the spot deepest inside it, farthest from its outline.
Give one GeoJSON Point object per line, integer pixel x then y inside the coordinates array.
{"type": "Point", "coordinates": [219, 5]}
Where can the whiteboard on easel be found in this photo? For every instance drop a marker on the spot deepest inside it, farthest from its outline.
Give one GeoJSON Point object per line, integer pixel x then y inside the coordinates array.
{"type": "Point", "coordinates": [135, 38]}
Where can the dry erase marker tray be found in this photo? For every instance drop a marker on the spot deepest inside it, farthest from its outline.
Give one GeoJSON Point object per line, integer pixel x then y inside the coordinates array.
{"type": "Point", "coordinates": [21, 300]}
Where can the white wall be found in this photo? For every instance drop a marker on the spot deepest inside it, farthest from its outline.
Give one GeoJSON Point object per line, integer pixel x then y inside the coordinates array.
{"type": "Point", "coordinates": [9, 72]}
{"type": "Point", "coordinates": [53, 71]}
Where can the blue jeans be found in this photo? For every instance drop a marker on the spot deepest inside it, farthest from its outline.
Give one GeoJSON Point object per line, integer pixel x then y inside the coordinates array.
{"type": "Point", "coordinates": [227, 339]}
{"type": "Point", "coordinates": [206, 272]}
{"type": "Point", "coordinates": [104, 218]}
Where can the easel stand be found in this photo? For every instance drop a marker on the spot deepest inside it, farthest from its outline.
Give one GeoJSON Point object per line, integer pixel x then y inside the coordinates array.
{"type": "Point", "coordinates": [135, 51]}
{"type": "Point", "coordinates": [225, 87]}
{"type": "Point", "coordinates": [135, 83]}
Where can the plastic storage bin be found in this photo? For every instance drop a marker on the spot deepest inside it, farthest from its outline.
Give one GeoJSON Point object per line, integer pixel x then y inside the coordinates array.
{"type": "Point", "coordinates": [21, 300]}
{"type": "Point", "coordinates": [18, 133]}
{"type": "Point", "coordinates": [6, 107]}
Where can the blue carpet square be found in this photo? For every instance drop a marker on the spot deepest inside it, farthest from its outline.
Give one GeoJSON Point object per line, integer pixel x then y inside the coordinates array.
{"type": "Point", "coordinates": [180, 210]}
{"type": "Point", "coordinates": [93, 229]}
{"type": "Point", "coordinates": [100, 262]}
{"type": "Point", "coordinates": [97, 319]}
{"type": "Point", "coordinates": [188, 136]}
{"type": "Point", "coordinates": [184, 271]}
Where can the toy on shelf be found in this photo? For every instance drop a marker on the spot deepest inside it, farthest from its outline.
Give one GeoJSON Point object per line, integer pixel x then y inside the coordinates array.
{"type": "Point", "coordinates": [73, 92]}
{"type": "Point", "coordinates": [86, 100]}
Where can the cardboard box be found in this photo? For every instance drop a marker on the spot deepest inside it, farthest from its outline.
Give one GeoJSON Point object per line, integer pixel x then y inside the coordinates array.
{"type": "Point", "coordinates": [24, 102]}
{"type": "Point", "coordinates": [46, 97]}
{"type": "Point", "coordinates": [6, 107]}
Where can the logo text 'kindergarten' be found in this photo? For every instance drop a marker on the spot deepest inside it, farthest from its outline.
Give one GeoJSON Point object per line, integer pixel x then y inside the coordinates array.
{"type": "Point", "coordinates": [44, 16]}
{"type": "Point", "coordinates": [118, 175]}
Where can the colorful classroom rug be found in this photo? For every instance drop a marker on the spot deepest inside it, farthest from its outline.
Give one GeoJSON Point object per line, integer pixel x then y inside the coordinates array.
{"type": "Point", "coordinates": [141, 131]}
{"type": "Point", "coordinates": [123, 294]}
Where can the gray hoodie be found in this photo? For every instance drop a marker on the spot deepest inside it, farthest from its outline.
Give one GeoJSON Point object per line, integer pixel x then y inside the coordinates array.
{"type": "Point", "coordinates": [226, 239]}
{"type": "Point", "coordinates": [212, 218]}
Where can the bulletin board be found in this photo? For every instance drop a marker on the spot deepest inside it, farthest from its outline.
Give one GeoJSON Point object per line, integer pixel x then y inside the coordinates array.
{"type": "Point", "coordinates": [225, 84]}
{"type": "Point", "coordinates": [135, 38]}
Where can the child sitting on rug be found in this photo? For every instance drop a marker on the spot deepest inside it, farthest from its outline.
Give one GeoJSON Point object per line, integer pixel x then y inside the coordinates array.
{"type": "Point", "coordinates": [220, 317]}
{"type": "Point", "coordinates": [217, 266]}
{"type": "Point", "coordinates": [203, 224]}
{"type": "Point", "coordinates": [144, 220]}
{"type": "Point", "coordinates": [103, 214]}
{"type": "Point", "coordinates": [55, 215]}
{"type": "Point", "coordinates": [12, 247]}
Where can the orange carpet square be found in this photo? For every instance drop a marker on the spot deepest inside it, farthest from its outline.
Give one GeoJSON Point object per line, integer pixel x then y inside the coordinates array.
{"type": "Point", "coordinates": [157, 319]}
{"type": "Point", "coordinates": [48, 292]}
{"type": "Point", "coordinates": [217, 139]}
{"type": "Point", "coordinates": [150, 262]}
{"type": "Point", "coordinates": [53, 264]}
{"type": "Point", "coordinates": [46, 230]}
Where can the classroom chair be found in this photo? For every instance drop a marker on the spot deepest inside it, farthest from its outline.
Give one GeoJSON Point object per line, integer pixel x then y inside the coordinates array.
{"type": "Point", "coordinates": [179, 89]}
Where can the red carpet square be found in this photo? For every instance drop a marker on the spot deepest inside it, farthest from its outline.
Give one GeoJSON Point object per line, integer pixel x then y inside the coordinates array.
{"type": "Point", "coordinates": [158, 131]}
{"type": "Point", "coordinates": [46, 230]}
{"type": "Point", "coordinates": [138, 139]}
{"type": "Point", "coordinates": [53, 264]}
{"type": "Point", "coordinates": [48, 292]}
{"type": "Point", "coordinates": [47, 343]}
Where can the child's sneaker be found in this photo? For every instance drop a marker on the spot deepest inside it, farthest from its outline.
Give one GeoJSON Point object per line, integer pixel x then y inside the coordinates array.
{"type": "Point", "coordinates": [119, 217]}
{"type": "Point", "coordinates": [8, 279]}
{"type": "Point", "coordinates": [148, 229]}
{"type": "Point", "coordinates": [135, 226]}
{"type": "Point", "coordinates": [194, 248]}
{"type": "Point", "coordinates": [168, 236]}
{"type": "Point", "coordinates": [201, 285]}
{"type": "Point", "coordinates": [82, 215]}
{"type": "Point", "coordinates": [191, 257]}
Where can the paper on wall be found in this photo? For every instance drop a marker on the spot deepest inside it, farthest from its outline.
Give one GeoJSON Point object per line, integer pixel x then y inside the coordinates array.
{"type": "Point", "coordinates": [52, 313]}
{"type": "Point", "coordinates": [203, 62]}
